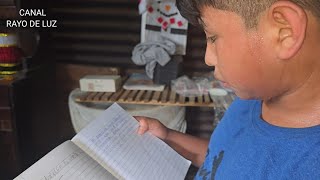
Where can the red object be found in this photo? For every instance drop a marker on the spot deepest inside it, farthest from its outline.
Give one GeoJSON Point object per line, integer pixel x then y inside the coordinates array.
{"type": "Point", "coordinates": [172, 20]}
{"type": "Point", "coordinates": [150, 9]}
{"type": "Point", "coordinates": [160, 20]}
{"type": "Point", "coordinates": [180, 23]}
{"type": "Point", "coordinates": [165, 25]}
{"type": "Point", "coordinates": [10, 55]}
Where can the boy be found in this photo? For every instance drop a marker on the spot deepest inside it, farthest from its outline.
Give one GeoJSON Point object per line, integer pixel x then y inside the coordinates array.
{"type": "Point", "coordinates": [268, 52]}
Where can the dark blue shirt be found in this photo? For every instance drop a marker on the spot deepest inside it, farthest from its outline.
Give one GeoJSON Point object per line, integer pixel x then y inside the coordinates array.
{"type": "Point", "coordinates": [244, 147]}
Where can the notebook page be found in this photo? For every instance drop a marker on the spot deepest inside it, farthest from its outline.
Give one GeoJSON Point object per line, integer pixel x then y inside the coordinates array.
{"type": "Point", "coordinates": [112, 140]}
{"type": "Point", "coordinates": [66, 162]}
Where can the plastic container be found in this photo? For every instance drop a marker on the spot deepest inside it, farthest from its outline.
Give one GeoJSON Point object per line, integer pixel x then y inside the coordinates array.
{"type": "Point", "coordinates": [222, 99]}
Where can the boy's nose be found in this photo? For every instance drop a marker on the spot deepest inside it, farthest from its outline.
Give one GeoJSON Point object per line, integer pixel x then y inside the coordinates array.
{"type": "Point", "coordinates": [210, 57]}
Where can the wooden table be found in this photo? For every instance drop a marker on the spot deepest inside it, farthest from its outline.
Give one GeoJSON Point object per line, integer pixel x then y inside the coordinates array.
{"type": "Point", "coordinates": [166, 97]}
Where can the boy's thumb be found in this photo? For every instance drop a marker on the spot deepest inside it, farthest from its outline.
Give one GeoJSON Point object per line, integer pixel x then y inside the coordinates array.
{"type": "Point", "coordinates": [142, 129]}
{"type": "Point", "coordinates": [143, 125]}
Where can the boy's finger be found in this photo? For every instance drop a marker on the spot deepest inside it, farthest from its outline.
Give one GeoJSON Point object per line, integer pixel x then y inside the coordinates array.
{"type": "Point", "coordinates": [142, 129]}
{"type": "Point", "coordinates": [138, 118]}
{"type": "Point", "coordinates": [143, 125]}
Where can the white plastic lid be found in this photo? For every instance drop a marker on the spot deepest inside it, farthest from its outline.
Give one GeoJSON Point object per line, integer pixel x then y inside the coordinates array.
{"type": "Point", "coordinates": [217, 92]}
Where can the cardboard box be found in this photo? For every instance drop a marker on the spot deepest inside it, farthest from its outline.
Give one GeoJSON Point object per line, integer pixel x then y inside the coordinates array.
{"type": "Point", "coordinates": [100, 83]}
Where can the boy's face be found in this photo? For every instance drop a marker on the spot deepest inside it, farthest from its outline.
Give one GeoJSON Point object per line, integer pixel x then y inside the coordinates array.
{"type": "Point", "coordinates": [240, 56]}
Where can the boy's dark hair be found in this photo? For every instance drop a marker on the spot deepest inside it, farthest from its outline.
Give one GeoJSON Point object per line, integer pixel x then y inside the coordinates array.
{"type": "Point", "coordinates": [249, 10]}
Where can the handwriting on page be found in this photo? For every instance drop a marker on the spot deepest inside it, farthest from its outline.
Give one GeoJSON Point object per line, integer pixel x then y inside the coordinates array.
{"type": "Point", "coordinates": [66, 162]}
{"type": "Point", "coordinates": [56, 170]}
{"type": "Point", "coordinates": [82, 168]}
{"type": "Point", "coordinates": [113, 141]}
{"type": "Point", "coordinates": [106, 135]}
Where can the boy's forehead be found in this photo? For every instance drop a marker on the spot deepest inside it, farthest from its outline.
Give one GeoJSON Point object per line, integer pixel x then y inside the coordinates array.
{"type": "Point", "coordinates": [210, 17]}
{"type": "Point", "coordinates": [206, 17]}
{"type": "Point", "coordinates": [209, 14]}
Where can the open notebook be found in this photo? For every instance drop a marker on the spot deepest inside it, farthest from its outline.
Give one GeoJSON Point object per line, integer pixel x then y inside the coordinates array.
{"type": "Point", "coordinates": [109, 148]}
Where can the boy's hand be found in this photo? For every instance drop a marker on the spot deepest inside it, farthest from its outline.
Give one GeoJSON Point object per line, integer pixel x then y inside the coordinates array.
{"type": "Point", "coordinates": [154, 126]}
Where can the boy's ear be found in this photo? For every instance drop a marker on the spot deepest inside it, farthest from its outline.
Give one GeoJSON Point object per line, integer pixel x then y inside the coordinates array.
{"type": "Point", "coordinates": [288, 22]}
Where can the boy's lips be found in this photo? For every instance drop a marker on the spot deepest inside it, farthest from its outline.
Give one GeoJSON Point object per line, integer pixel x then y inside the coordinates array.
{"type": "Point", "coordinates": [223, 83]}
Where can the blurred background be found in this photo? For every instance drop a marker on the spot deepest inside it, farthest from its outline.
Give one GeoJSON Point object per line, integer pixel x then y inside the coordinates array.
{"type": "Point", "coordinates": [92, 37]}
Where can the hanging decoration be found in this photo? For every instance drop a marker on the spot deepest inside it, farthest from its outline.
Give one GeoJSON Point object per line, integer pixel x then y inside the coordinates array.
{"type": "Point", "coordinates": [161, 18]}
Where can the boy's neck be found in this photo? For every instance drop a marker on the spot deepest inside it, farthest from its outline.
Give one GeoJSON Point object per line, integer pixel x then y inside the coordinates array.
{"type": "Point", "coordinates": [298, 109]}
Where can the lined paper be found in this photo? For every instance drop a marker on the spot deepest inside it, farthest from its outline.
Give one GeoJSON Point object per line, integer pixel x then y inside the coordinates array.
{"type": "Point", "coordinates": [113, 142]}
{"type": "Point", "coordinates": [66, 162]}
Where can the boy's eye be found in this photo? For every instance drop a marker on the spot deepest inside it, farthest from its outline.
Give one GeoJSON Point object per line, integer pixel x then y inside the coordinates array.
{"type": "Point", "coordinates": [212, 39]}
